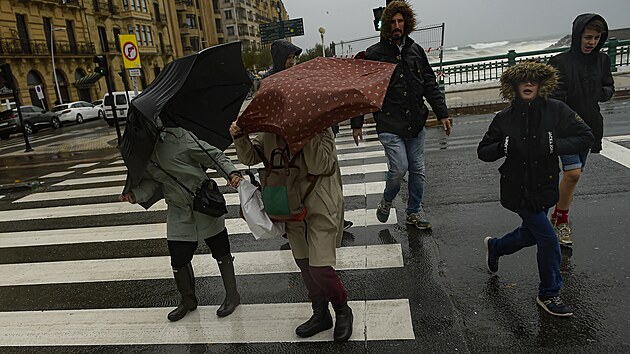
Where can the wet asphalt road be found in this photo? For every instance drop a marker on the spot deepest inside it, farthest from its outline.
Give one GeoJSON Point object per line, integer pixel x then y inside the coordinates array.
{"type": "Point", "coordinates": [455, 305]}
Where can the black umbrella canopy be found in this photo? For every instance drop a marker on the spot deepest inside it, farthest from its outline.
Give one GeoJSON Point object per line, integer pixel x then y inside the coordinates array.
{"type": "Point", "coordinates": [203, 93]}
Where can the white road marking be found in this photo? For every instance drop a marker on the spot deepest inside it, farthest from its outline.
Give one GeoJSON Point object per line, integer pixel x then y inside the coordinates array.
{"type": "Point", "coordinates": [615, 152]}
{"type": "Point", "coordinates": [250, 323]}
{"type": "Point", "coordinates": [360, 218]}
{"type": "Point", "coordinates": [84, 165]}
{"type": "Point", "coordinates": [57, 174]}
{"type": "Point", "coordinates": [142, 268]}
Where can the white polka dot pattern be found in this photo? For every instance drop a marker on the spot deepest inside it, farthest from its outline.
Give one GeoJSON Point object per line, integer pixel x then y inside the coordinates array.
{"type": "Point", "coordinates": [300, 102]}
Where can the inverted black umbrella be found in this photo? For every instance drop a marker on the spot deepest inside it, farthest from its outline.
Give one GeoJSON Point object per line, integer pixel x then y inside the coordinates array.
{"type": "Point", "coordinates": [202, 92]}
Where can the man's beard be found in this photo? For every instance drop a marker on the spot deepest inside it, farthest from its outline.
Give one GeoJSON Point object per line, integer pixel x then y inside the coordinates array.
{"type": "Point", "coordinates": [397, 35]}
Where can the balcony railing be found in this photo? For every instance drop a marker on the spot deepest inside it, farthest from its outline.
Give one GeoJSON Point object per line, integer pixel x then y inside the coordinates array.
{"type": "Point", "coordinates": [490, 68]}
{"type": "Point", "coordinates": [41, 48]}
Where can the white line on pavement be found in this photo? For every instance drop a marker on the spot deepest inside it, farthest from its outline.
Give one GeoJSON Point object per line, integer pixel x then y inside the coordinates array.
{"type": "Point", "coordinates": [615, 152]}
{"type": "Point", "coordinates": [142, 268]}
{"type": "Point", "coordinates": [250, 323]}
{"type": "Point", "coordinates": [360, 218]}
{"type": "Point", "coordinates": [57, 174]}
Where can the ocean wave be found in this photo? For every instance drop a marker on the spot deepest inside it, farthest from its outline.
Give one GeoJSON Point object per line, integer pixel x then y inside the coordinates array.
{"type": "Point", "coordinates": [489, 45]}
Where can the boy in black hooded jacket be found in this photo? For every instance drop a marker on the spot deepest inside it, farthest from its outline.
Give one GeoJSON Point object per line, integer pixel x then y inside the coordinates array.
{"type": "Point", "coordinates": [530, 134]}
{"type": "Point", "coordinates": [585, 80]}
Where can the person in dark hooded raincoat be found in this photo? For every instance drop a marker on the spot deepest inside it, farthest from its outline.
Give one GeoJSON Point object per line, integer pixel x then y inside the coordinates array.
{"type": "Point", "coordinates": [530, 134]}
{"type": "Point", "coordinates": [314, 240]}
{"type": "Point", "coordinates": [283, 54]}
{"type": "Point", "coordinates": [177, 153]}
{"type": "Point", "coordinates": [585, 80]}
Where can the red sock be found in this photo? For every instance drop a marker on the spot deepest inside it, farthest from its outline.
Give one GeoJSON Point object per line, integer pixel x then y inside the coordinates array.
{"type": "Point", "coordinates": [554, 215]}
{"type": "Point", "coordinates": [562, 216]}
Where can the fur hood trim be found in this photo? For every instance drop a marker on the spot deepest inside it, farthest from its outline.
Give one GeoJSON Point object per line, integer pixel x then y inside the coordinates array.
{"type": "Point", "coordinates": [545, 75]}
{"type": "Point", "coordinates": [392, 9]}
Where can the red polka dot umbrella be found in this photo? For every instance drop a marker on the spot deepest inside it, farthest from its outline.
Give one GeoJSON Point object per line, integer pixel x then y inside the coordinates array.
{"type": "Point", "coordinates": [300, 102]}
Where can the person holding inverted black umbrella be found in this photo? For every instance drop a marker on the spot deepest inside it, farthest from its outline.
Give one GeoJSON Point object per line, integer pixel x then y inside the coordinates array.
{"type": "Point", "coordinates": [176, 129]}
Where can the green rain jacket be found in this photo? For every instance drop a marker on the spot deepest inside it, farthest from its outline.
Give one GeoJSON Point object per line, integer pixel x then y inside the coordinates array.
{"type": "Point", "coordinates": [177, 153]}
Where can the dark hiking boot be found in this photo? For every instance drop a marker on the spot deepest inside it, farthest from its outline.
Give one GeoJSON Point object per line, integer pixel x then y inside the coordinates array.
{"type": "Point", "coordinates": [232, 297]}
{"type": "Point", "coordinates": [320, 321]}
{"type": "Point", "coordinates": [185, 280]}
{"type": "Point", "coordinates": [343, 322]}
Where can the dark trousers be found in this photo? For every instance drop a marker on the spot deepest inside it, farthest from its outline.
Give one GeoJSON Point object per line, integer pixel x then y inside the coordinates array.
{"type": "Point", "coordinates": [322, 283]}
{"type": "Point", "coordinates": [182, 251]}
{"type": "Point", "coordinates": [536, 230]}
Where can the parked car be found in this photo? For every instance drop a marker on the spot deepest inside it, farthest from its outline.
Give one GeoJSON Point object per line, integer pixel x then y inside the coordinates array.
{"type": "Point", "coordinates": [77, 112]}
{"type": "Point", "coordinates": [122, 105]}
{"type": "Point", "coordinates": [98, 103]}
{"type": "Point", "coordinates": [35, 118]}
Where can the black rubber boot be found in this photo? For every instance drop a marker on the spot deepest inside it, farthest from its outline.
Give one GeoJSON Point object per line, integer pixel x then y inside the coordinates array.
{"type": "Point", "coordinates": [185, 280]}
{"type": "Point", "coordinates": [320, 321]}
{"type": "Point", "coordinates": [232, 297]}
{"type": "Point", "coordinates": [343, 322]}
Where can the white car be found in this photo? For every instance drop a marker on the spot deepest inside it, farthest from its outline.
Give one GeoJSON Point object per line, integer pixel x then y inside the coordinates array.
{"type": "Point", "coordinates": [77, 112]}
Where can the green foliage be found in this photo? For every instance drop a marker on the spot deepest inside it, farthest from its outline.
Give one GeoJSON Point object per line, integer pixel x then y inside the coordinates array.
{"type": "Point", "coordinates": [257, 59]}
{"type": "Point", "coordinates": [314, 53]}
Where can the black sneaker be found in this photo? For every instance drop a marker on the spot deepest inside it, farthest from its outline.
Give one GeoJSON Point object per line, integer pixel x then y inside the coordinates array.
{"type": "Point", "coordinates": [347, 224]}
{"type": "Point", "coordinates": [554, 306]}
{"type": "Point", "coordinates": [382, 212]}
{"type": "Point", "coordinates": [492, 261]}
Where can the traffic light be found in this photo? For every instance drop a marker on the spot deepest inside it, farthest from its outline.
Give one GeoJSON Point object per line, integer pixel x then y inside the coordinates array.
{"type": "Point", "coordinates": [7, 76]}
{"type": "Point", "coordinates": [378, 13]}
{"type": "Point", "coordinates": [101, 62]}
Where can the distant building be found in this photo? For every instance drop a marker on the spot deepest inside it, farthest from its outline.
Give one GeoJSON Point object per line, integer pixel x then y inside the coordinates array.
{"type": "Point", "coordinates": [240, 19]}
{"type": "Point", "coordinates": [164, 29]}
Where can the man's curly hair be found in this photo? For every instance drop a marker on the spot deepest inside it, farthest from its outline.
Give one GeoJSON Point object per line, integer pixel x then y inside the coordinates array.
{"type": "Point", "coordinates": [394, 7]}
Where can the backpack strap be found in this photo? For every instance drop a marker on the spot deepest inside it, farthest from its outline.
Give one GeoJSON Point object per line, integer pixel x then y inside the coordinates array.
{"type": "Point", "coordinates": [173, 178]}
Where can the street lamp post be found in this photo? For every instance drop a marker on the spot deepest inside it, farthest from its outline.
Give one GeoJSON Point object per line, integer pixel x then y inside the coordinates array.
{"type": "Point", "coordinates": [322, 30]}
{"type": "Point", "coordinates": [52, 54]}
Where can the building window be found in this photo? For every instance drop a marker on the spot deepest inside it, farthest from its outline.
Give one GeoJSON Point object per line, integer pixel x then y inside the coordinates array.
{"type": "Point", "coordinates": [200, 23]}
{"type": "Point", "coordinates": [191, 21]}
{"type": "Point", "coordinates": [138, 35]}
{"type": "Point", "coordinates": [126, 5]}
{"type": "Point", "coordinates": [228, 14]}
{"type": "Point", "coordinates": [217, 23]}
{"type": "Point", "coordinates": [144, 35]}
{"type": "Point", "coordinates": [130, 29]}
{"type": "Point", "coordinates": [102, 36]}
{"type": "Point", "coordinates": [194, 43]}
{"type": "Point", "coordinates": [150, 36]}
{"type": "Point", "coordinates": [230, 30]}
{"type": "Point", "coordinates": [144, 6]}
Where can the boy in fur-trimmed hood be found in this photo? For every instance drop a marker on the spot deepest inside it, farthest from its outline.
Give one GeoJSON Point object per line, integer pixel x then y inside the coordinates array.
{"type": "Point", "coordinates": [530, 134]}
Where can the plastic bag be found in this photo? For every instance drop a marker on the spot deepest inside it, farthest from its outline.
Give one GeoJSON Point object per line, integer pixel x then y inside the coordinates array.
{"type": "Point", "coordinates": [254, 213]}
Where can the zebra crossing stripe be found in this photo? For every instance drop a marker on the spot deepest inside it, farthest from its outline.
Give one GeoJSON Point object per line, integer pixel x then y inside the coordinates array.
{"type": "Point", "coordinates": [348, 190]}
{"type": "Point", "coordinates": [250, 323]}
{"type": "Point", "coordinates": [359, 189]}
{"type": "Point", "coordinates": [345, 170]}
{"type": "Point", "coordinates": [360, 218]}
{"type": "Point", "coordinates": [615, 152]}
{"type": "Point", "coordinates": [83, 165]}
{"type": "Point", "coordinates": [143, 268]}
{"type": "Point", "coordinates": [57, 174]}
{"type": "Point", "coordinates": [240, 166]}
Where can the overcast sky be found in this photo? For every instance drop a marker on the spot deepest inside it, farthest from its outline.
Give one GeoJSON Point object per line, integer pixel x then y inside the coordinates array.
{"type": "Point", "coordinates": [466, 21]}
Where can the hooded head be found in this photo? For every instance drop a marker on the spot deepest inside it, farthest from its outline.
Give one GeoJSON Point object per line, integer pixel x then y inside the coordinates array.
{"type": "Point", "coordinates": [528, 71]}
{"type": "Point", "coordinates": [596, 24]}
{"type": "Point", "coordinates": [280, 51]}
{"type": "Point", "coordinates": [394, 7]}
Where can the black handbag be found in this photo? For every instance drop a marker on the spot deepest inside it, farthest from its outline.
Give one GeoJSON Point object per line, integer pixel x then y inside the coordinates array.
{"type": "Point", "coordinates": [207, 199]}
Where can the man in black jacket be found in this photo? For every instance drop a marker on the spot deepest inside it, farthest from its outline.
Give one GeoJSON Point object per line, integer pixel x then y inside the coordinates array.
{"type": "Point", "coordinates": [585, 80]}
{"type": "Point", "coordinates": [400, 123]}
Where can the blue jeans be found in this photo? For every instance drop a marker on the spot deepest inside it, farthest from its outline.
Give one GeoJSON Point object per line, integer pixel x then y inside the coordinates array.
{"type": "Point", "coordinates": [573, 162]}
{"type": "Point", "coordinates": [535, 230]}
{"type": "Point", "coordinates": [404, 154]}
